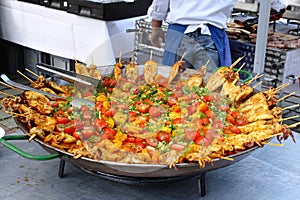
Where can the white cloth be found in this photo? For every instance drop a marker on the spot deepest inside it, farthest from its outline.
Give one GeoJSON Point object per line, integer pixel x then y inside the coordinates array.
{"type": "Point", "coordinates": [194, 13]}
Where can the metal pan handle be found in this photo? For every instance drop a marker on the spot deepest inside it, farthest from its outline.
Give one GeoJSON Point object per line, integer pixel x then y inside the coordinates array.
{"type": "Point", "coordinates": [22, 153]}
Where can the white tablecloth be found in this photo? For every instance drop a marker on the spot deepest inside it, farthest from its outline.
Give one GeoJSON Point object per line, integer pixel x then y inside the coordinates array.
{"type": "Point", "coordinates": [63, 34]}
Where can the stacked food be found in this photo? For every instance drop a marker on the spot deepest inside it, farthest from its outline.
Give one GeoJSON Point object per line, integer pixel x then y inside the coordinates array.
{"type": "Point", "coordinates": [154, 118]}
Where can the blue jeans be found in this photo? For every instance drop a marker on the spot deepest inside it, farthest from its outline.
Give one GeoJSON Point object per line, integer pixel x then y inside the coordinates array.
{"type": "Point", "coordinates": [198, 49]}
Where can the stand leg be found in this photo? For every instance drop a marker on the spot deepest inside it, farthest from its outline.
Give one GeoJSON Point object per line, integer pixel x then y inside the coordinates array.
{"type": "Point", "coordinates": [201, 184]}
{"type": "Point", "coordinates": [61, 168]}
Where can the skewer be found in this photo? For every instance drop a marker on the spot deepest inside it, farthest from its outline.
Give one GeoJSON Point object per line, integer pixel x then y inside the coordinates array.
{"type": "Point", "coordinates": [281, 87]}
{"type": "Point", "coordinates": [292, 106]}
{"type": "Point", "coordinates": [294, 125]}
{"type": "Point", "coordinates": [236, 62]}
{"type": "Point", "coordinates": [182, 56]}
{"type": "Point", "coordinates": [257, 76]}
{"type": "Point", "coordinates": [10, 95]}
{"type": "Point", "coordinates": [226, 158]}
{"type": "Point", "coordinates": [11, 87]}
{"type": "Point", "coordinates": [31, 72]}
{"type": "Point", "coordinates": [257, 84]}
{"type": "Point", "coordinates": [25, 76]}
{"type": "Point", "coordinates": [273, 144]}
{"type": "Point", "coordinates": [206, 63]}
{"type": "Point", "coordinates": [286, 96]}
{"type": "Point", "coordinates": [240, 68]}
{"type": "Point", "coordinates": [284, 119]}
{"type": "Point", "coordinates": [151, 55]}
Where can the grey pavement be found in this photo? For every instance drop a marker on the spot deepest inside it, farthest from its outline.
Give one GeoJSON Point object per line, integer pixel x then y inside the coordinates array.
{"type": "Point", "coordinates": [270, 172]}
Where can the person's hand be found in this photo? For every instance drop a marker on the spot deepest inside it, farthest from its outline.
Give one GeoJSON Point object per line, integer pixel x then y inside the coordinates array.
{"type": "Point", "coordinates": [157, 35]}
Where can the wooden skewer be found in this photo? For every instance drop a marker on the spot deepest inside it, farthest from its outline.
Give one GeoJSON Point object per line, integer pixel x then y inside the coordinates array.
{"type": "Point", "coordinates": [182, 56]}
{"type": "Point", "coordinates": [10, 95]}
{"type": "Point", "coordinates": [206, 63]}
{"type": "Point", "coordinates": [273, 144]}
{"type": "Point", "coordinates": [257, 76]}
{"type": "Point", "coordinates": [257, 84]}
{"type": "Point", "coordinates": [75, 60]}
{"type": "Point", "coordinates": [294, 125]}
{"type": "Point", "coordinates": [293, 117]}
{"type": "Point", "coordinates": [11, 87]}
{"type": "Point", "coordinates": [286, 96]}
{"type": "Point", "coordinates": [236, 62]}
{"type": "Point", "coordinates": [226, 158]}
{"type": "Point", "coordinates": [25, 76]}
{"type": "Point", "coordinates": [151, 55]}
{"type": "Point", "coordinates": [293, 106]}
{"type": "Point", "coordinates": [281, 87]}
{"type": "Point", "coordinates": [240, 68]}
{"type": "Point", "coordinates": [31, 72]}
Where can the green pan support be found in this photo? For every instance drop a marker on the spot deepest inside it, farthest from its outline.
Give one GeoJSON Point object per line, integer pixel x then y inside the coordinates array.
{"type": "Point", "coordinates": [22, 153]}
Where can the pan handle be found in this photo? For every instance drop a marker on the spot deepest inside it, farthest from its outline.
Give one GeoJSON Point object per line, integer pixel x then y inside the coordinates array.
{"type": "Point", "coordinates": [23, 153]}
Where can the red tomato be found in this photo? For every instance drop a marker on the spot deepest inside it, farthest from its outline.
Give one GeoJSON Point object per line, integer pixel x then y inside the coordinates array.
{"type": "Point", "coordinates": [138, 140]}
{"type": "Point", "coordinates": [230, 119]}
{"type": "Point", "coordinates": [208, 98]}
{"type": "Point", "coordinates": [143, 108]}
{"type": "Point", "coordinates": [241, 121]}
{"type": "Point", "coordinates": [109, 131]}
{"type": "Point", "coordinates": [191, 109]}
{"type": "Point", "coordinates": [177, 147]}
{"type": "Point", "coordinates": [130, 139]}
{"type": "Point", "coordinates": [190, 135]}
{"type": "Point", "coordinates": [87, 133]}
{"type": "Point", "coordinates": [84, 108]}
{"type": "Point", "coordinates": [110, 113]}
{"type": "Point", "coordinates": [163, 136]}
{"type": "Point", "coordinates": [78, 124]}
{"type": "Point", "coordinates": [172, 100]}
{"type": "Point", "coordinates": [100, 124]}
{"type": "Point", "coordinates": [203, 107]}
{"type": "Point", "coordinates": [112, 82]}
{"type": "Point", "coordinates": [61, 120]}
{"type": "Point", "coordinates": [154, 111]}
{"type": "Point", "coordinates": [52, 103]}
{"type": "Point", "coordinates": [234, 129]}
{"type": "Point", "coordinates": [76, 135]}
{"type": "Point", "coordinates": [235, 114]}
{"type": "Point", "coordinates": [148, 101]}
{"type": "Point", "coordinates": [153, 142]}
{"type": "Point", "coordinates": [98, 105]}
{"type": "Point", "coordinates": [70, 128]}
{"type": "Point", "coordinates": [202, 141]}
{"type": "Point", "coordinates": [177, 121]}
{"type": "Point", "coordinates": [210, 114]}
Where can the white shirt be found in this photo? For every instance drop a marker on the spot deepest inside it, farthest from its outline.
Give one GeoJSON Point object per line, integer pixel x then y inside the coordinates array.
{"type": "Point", "coordinates": [197, 13]}
{"type": "Point", "coordinates": [194, 13]}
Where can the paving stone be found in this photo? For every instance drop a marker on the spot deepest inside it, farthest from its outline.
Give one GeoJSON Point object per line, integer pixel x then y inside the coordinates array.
{"type": "Point", "coordinates": [3, 115]}
{"type": "Point", "coordinates": [9, 123]}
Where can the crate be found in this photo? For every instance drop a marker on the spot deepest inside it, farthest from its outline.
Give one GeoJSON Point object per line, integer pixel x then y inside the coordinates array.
{"type": "Point", "coordinates": [109, 11]}
{"type": "Point", "coordinates": [57, 4]}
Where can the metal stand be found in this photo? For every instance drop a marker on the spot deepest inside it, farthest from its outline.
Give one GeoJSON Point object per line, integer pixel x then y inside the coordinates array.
{"type": "Point", "coordinates": [61, 169]}
{"type": "Point", "coordinates": [202, 184]}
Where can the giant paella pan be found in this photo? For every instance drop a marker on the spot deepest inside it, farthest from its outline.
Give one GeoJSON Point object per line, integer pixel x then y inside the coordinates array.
{"type": "Point", "coordinates": [147, 121]}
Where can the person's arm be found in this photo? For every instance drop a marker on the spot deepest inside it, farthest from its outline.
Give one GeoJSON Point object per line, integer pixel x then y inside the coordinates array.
{"type": "Point", "coordinates": [159, 10]}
